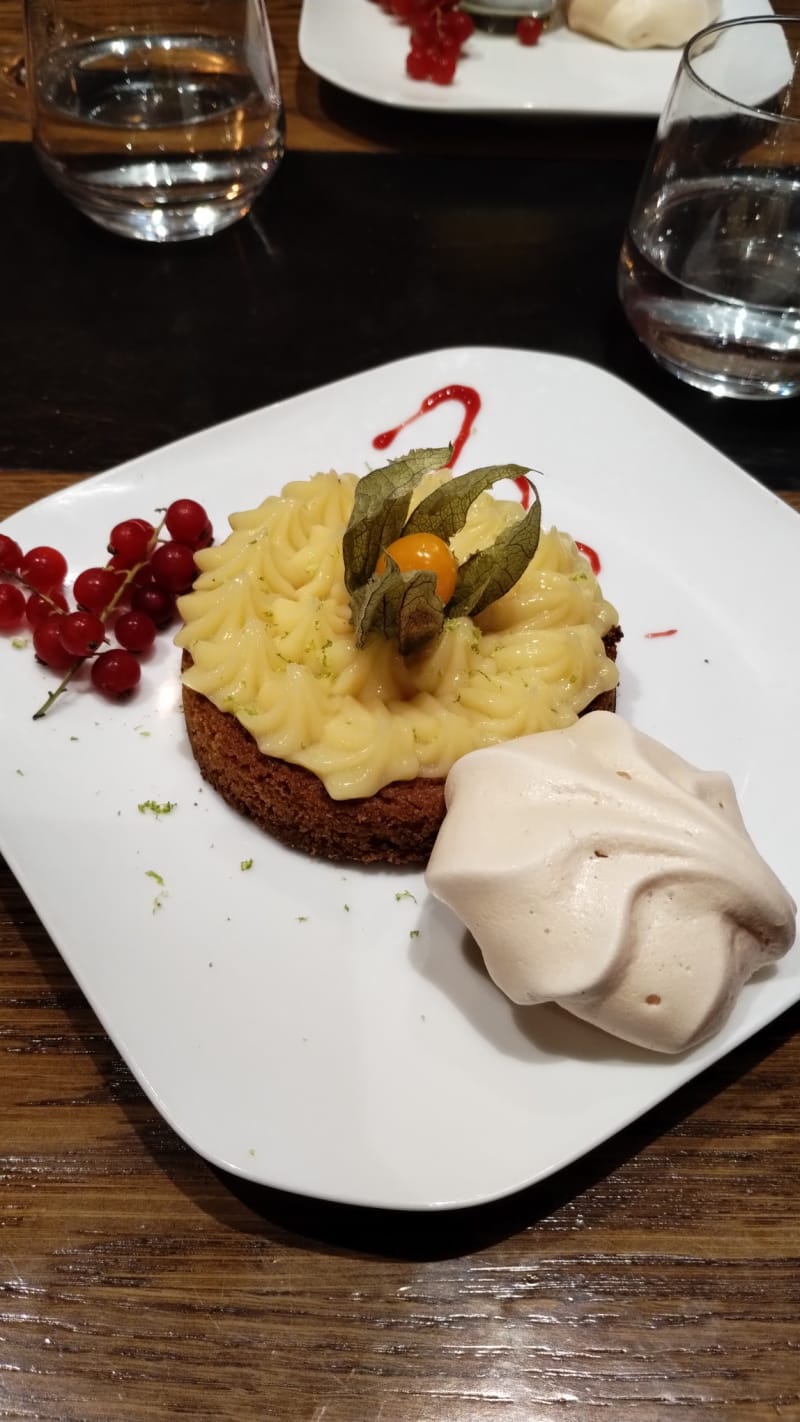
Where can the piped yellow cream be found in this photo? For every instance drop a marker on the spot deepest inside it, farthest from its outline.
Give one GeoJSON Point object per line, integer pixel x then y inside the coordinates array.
{"type": "Point", "coordinates": [269, 629]}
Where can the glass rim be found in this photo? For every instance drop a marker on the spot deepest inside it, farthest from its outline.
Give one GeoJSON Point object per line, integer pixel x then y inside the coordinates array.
{"type": "Point", "coordinates": [719, 26]}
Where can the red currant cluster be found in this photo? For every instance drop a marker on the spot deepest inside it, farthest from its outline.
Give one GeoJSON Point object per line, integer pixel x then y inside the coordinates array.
{"type": "Point", "coordinates": [439, 30]}
{"type": "Point", "coordinates": [131, 596]}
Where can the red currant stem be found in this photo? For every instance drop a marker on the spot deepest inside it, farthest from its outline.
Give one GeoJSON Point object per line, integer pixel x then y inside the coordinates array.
{"type": "Point", "coordinates": [129, 577]}
{"type": "Point", "coordinates": [43, 595]}
{"type": "Point", "coordinates": [59, 690]}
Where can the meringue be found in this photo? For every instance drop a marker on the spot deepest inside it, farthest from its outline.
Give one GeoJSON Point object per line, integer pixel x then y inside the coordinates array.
{"type": "Point", "coordinates": [641, 24]}
{"type": "Point", "coordinates": [598, 870]}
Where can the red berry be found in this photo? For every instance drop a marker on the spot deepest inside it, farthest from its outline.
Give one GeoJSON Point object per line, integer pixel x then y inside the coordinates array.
{"type": "Point", "coordinates": [529, 30]}
{"type": "Point", "coordinates": [449, 49]}
{"type": "Point", "coordinates": [135, 631]}
{"type": "Point", "coordinates": [443, 68]}
{"type": "Point", "coordinates": [426, 33]}
{"type": "Point", "coordinates": [156, 602]}
{"type": "Point", "coordinates": [418, 64]}
{"type": "Point", "coordinates": [173, 567]}
{"type": "Point", "coordinates": [12, 606]}
{"type": "Point", "coordinates": [48, 646]}
{"type": "Point", "coordinates": [10, 554]}
{"type": "Point", "coordinates": [43, 568]}
{"type": "Point", "coordinates": [143, 577]}
{"type": "Point", "coordinates": [187, 522]}
{"type": "Point", "coordinates": [81, 633]}
{"type": "Point", "coordinates": [460, 26]}
{"type": "Point", "coordinates": [129, 543]}
{"type": "Point", "coordinates": [38, 607]}
{"type": "Point", "coordinates": [95, 588]}
{"type": "Point", "coordinates": [115, 672]}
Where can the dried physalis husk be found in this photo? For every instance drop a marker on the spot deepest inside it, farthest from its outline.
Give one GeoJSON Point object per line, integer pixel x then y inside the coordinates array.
{"type": "Point", "coordinates": [404, 606]}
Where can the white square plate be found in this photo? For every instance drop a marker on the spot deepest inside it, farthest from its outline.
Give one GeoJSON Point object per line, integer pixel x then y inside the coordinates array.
{"type": "Point", "coordinates": [326, 1029]}
{"type": "Point", "coordinates": [356, 45]}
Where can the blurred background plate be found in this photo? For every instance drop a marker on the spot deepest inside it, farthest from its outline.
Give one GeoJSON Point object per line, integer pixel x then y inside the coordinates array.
{"type": "Point", "coordinates": [356, 45]}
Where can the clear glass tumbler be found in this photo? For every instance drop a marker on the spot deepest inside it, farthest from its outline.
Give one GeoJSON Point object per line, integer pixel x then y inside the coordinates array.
{"type": "Point", "coordinates": [709, 274]}
{"type": "Point", "coordinates": [159, 119]}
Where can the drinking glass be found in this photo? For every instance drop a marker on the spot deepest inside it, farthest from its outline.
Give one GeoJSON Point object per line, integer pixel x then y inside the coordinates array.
{"type": "Point", "coordinates": [709, 274]}
{"type": "Point", "coordinates": [159, 119]}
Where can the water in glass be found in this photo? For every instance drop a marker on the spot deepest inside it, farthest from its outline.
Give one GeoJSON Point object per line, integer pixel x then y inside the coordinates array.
{"type": "Point", "coordinates": [157, 136]}
{"type": "Point", "coordinates": [710, 280]}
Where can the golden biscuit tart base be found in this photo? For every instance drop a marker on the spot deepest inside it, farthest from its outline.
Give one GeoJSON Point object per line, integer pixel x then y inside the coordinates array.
{"type": "Point", "coordinates": [398, 825]}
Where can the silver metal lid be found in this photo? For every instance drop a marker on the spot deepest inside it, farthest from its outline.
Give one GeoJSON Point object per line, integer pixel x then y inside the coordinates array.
{"type": "Point", "coordinates": [510, 9]}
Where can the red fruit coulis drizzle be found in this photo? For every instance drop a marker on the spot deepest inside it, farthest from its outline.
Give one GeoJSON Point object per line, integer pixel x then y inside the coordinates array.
{"type": "Point", "coordinates": [668, 632]}
{"type": "Point", "coordinates": [589, 553]}
{"type": "Point", "coordinates": [471, 401]}
{"type": "Point", "coordinates": [465, 394]}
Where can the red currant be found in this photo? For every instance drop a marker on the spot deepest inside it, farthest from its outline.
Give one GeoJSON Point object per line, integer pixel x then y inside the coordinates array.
{"type": "Point", "coordinates": [156, 602]}
{"type": "Point", "coordinates": [129, 543]}
{"type": "Point", "coordinates": [95, 587]}
{"type": "Point", "coordinates": [43, 568]}
{"type": "Point", "coordinates": [426, 33]}
{"type": "Point", "coordinates": [173, 567]}
{"type": "Point", "coordinates": [81, 633]}
{"type": "Point", "coordinates": [529, 30]}
{"type": "Point", "coordinates": [135, 631]}
{"type": "Point", "coordinates": [443, 68]}
{"type": "Point", "coordinates": [187, 522]}
{"type": "Point", "coordinates": [10, 554]}
{"type": "Point", "coordinates": [418, 64]}
{"type": "Point", "coordinates": [48, 646]}
{"type": "Point", "coordinates": [12, 606]}
{"type": "Point", "coordinates": [460, 26]}
{"type": "Point", "coordinates": [143, 577]}
{"type": "Point", "coordinates": [38, 607]}
{"type": "Point", "coordinates": [115, 672]}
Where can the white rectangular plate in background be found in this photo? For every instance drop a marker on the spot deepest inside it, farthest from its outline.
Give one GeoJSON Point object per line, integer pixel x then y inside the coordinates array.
{"type": "Point", "coordinates": [327, 1029]}
{"type": "Point", "coordinates": [357, 46]}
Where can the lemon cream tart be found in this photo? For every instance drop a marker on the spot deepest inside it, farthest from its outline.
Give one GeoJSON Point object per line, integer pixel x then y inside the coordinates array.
{"type": "Point", "coordinates": [301, 707]}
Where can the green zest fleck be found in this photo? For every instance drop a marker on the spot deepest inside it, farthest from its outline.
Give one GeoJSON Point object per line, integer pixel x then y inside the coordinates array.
{"type": "Point", "coordinates": [155, 809]}
{"type": "Point", "coordinates": [246, 864]}
{"type": "Point", "coordinates": [158, 901]}
{"type": "Point", "coordinates": [19, 642]}
{"type": "Point", "coordinates": [414, 933]}
{"type": "Point", "coordinates": [405, 894]}
{"type": "Point", "coordinates": [302, 918]}
{"type": "Point", "coordinates": [404, 606]}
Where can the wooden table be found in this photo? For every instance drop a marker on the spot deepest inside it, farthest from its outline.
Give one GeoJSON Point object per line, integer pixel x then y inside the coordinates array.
{"type": "Point", "coordinates": [656, 1279]}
